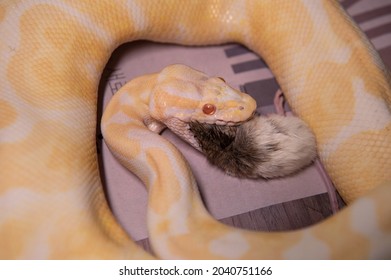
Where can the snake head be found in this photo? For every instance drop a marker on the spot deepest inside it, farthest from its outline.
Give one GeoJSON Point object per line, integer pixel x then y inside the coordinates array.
{"type": "Point", "coordinates": [183, 95]}
{"type": "Point", "coordinates": [186, 95]}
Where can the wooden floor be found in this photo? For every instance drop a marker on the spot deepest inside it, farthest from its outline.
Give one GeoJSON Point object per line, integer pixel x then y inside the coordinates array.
{"type": "Point", "coordinates": [280, 217]}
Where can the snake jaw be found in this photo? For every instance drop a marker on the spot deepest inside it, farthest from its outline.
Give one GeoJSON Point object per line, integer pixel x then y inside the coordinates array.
{"type": "Point", "coordinates": [183, 131]}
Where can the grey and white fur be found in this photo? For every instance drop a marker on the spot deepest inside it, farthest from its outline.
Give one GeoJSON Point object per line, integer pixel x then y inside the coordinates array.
{"type": "Point", "coordinates": [265, 146]}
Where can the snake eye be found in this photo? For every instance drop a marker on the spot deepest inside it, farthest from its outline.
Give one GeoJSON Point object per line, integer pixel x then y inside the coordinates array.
{"type": "Point", "coordinates": [209, 109]}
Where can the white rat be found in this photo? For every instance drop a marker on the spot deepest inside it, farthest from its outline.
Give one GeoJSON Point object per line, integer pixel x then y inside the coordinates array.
{"type": "Point", "coordinates": [265, 146]}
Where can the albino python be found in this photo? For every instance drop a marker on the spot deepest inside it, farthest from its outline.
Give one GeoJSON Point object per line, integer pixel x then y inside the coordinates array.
{"type": "Point", "coordinates": [52, 54]}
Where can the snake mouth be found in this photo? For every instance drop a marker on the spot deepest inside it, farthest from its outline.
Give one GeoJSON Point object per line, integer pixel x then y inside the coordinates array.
{"type": "Point", "coordinates": [220, 122]}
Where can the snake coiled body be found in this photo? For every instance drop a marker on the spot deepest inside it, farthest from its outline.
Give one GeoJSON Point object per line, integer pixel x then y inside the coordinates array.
{"type": "Point", "coordinates": [52, 55]}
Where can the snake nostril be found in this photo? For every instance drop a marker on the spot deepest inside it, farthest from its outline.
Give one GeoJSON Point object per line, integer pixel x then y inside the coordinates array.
{"type": "Point", "coordinates": [241, 108]}
{"type": "Point", "coordinates": [221, 79]}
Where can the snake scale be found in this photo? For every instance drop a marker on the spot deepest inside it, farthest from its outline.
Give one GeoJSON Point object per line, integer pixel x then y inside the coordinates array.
{"type": "Point", "coordinates": [52, 54]}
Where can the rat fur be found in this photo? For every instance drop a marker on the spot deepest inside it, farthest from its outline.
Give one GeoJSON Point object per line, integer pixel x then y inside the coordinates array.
{"type": "Point", "coordinates": [267, 147]}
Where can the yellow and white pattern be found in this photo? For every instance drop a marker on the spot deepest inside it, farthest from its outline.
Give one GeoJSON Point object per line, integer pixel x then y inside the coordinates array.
{"type": "Point", "coordinates": [52, 54]}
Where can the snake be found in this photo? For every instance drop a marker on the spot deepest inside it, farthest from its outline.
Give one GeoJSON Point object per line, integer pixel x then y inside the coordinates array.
{"type": "Point", "coordinates": [52, 54]}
